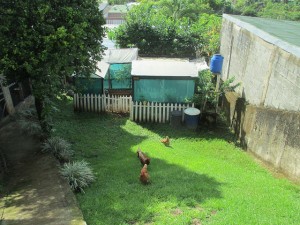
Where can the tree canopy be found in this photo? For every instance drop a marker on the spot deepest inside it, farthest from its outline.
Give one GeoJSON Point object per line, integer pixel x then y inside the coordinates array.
{"type": "Point", "coordinates": [159, 33]}
{"type": "Point", "coordinates": [47, 40]}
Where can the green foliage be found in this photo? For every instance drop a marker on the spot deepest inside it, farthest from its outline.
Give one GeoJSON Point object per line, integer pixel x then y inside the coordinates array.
{"type": "Point", "coordinates": [29, 114]}
{"type": "Point", "coordinates": [207, 95]}
{"type": "Point", "coordinates": [79, 175]}
{"type": "Point", "coordinates": [47, 40]}
{"type": "Point", "coordinates": [30, 127]}
{"type": "Point", "coordinates": [286, 10]}
{"type": "Point", "coordinates": [28, 122]}
{"type": "Point", "coordinates": [209, 26]}
{"type": "Point", "coordinates": [155, 33]}
{"type": "Point", "coordinates": [59, 147]}
{"type": "Point", "coordinates": [117, 2]}
{"type": "Point", "coordinates": [124, 73]}
{"type": "Point", "coordinates": [290, 11]}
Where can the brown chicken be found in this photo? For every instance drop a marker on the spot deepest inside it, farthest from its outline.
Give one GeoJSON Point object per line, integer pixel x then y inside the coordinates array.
{"type": "Point", "coordinates": [144, 177]}
{"type": "Point", "coordinates": [166, 141]}
{"type": "Point", "coordinates": [143, 158]}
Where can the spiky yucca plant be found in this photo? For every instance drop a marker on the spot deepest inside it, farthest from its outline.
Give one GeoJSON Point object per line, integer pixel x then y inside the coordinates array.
{"type": "Point", "coordinates": [30, 127]}
{"type": "Point", "coordinates": [27, 114]}
{"type": "Point", "coordinates": [79, 175]}
{"type": "Point", "coordinates": [59, 147]}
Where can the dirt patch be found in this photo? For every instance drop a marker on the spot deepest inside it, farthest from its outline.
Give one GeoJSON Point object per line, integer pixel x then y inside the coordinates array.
{"type": "Point", "coordinates": [177, 212]}
{"type": "Point", "coordinates": [196, 222]}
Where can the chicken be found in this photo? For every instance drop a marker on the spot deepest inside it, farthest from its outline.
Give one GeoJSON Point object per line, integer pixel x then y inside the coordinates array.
{"type": "Point", "coordinates": [143, 158]}
{"type": "Point", "coordinates": [166, 141]}
{"type": "Point", "coordinates": [144, 176]}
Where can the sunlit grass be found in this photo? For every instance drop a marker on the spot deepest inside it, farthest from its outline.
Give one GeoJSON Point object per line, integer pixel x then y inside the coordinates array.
{"type": "Point", "coordinates": [202, 178]}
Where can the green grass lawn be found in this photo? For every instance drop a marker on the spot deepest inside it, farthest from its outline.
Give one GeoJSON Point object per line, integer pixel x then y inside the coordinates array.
{"type": "Point", "coordinates": [201, 178]}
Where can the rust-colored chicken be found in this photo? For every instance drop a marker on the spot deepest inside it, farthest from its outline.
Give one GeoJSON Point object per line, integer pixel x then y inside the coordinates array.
{"type": "Point", "coordinates": [144, 176]}
{"type": "Point", "coordinates": [143, 158]}
{"type": "Point", "coordinates": [166, 141]}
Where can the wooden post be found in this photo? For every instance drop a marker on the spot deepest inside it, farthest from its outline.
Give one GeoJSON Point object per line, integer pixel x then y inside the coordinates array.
{"type": "Point", "coordinates": [8, 100]}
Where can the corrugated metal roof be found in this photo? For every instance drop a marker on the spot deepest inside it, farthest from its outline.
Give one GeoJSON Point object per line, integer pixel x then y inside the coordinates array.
{"type": "Point", "coordinates": [163, 67]}
{"type": "Point", "coordinates": [123, 55]}
{"type": "Point", "coordinates": [282, 33]}
{"type": "Point", "coordinates": [103, 66]}
{"type": "Point", "coordinates": [118, 9]}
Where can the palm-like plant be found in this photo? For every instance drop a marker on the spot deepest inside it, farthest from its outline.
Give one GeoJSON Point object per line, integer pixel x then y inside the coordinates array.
{"type": "Point", "coordinates": [79, 175]}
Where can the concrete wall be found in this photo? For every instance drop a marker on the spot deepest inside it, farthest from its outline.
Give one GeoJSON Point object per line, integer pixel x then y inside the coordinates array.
{"type": "Point", "coordinates": [265, 110]}
{"type": "Point", "coordinates": [271, 134]}
{"type": "Point", "coordinates": [270, 76]}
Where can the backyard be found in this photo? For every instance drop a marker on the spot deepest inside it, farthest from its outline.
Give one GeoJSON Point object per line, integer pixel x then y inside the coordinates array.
{"type": "Point", "coordinates": [201, 178]}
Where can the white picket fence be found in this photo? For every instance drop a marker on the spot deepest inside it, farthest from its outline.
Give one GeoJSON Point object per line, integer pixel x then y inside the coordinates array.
{"type": "Point", "coordinates": [154, 112]}
{"type": "Point", "coordinates": [102, 103]}
{"type": "Point", "coordinates": [139, 111]}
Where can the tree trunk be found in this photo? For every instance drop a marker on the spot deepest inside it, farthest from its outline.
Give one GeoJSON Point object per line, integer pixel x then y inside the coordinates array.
{"type": "Point", "coordinates": [39, 105]}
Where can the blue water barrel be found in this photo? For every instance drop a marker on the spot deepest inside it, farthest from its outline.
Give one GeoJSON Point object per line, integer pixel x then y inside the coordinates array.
{"type": "Point", "coordinates": [191, 117]}
{"type": "Point", "coordinates": [216, 63]}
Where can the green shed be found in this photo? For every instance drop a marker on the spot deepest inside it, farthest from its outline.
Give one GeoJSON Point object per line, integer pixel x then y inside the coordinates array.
{"type": "Point", "coordinates": [118, 77]}
{"type": "Point", "coordinates": [163, 80]}
{"type": "Point", "coordinates": [94, 83]}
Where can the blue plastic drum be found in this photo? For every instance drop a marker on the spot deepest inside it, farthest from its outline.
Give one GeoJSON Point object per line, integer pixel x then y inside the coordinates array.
{"type": "Point", "coordinates": [216, 63]}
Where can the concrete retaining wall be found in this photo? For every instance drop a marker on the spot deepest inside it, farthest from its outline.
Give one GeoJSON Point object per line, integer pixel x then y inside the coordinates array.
{"type": "Point", "coordinates": [271, 134]}
{"type": "Point", "coordinates": [270, 76]}
{"type": "Point", "coordinates": [265, 110]}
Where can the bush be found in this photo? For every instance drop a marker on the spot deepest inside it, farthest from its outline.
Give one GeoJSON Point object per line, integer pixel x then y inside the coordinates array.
{"type": "Point", "coordinates": [30, 127]}
{"type": "Point", "coordinates": [28, 122]}
{"type": "Point", "coordinates": [59, 147]}
{"type": "Point", "coordinates": [206, 96]}
{"type": "Point", "coordinates": [29, 114]}
{"type": "Point", "coordinates": [78, 174]}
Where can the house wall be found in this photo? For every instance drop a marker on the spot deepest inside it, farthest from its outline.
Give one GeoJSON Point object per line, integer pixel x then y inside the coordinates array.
{"type": "Point", "coordinates": [115, 18]}
{"type": "Point", "coordinates": [265, 110]}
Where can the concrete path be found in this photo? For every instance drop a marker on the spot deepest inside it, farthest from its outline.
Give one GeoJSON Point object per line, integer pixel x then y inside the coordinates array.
{"type": "Point", "coordinates": [36, 194]}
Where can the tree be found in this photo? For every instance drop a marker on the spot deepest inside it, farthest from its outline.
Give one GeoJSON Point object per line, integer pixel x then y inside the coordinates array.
{"type": "Point", "coordinates": [209, 26]}
{"type": "Point", "coordinates": [155, 34]}
{"type": "Point", "coordinates": [47, 40]}
{"type": "Point", "coordinates": [150, 28]}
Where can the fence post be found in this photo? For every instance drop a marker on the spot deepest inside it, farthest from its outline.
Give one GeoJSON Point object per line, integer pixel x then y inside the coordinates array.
{"type": "Point", "coordinates": [8, 100]}
{"type": "Point", "coordinates": [140, 111]}
{"type": "Point", "coordinates": [168, 113]}
{"type": "Point", "coordinates": [75, 102]}
{"type": "Point", "coordinates": [136, 111]}
{"type": "Point", "coordinates": [131, 111]}
{"type": "Point", "coordinates": [163, 112]}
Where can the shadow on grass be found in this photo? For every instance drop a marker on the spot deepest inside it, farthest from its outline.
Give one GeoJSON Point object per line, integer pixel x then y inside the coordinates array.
{"type": "Point", "coordinates": [109, 143]}
{"type": "Point", "coordinates": [117, 196]}
{"type": "Point", "coordinates": [122, 199]}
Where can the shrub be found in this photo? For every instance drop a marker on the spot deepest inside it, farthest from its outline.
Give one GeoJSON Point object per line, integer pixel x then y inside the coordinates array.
{"type": "Point", "coordinates": [78, 174]}
{"type": "Point", "coordinates": [30, 127]}
{"type": "Point", "coordinates": [29, 114]}
{"type": "Point", "coordinates": [59, 147]}
{"type": "Point", "coordinates": [207, 95]}
{"type": "Point", "coordinates": [28, 122]}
